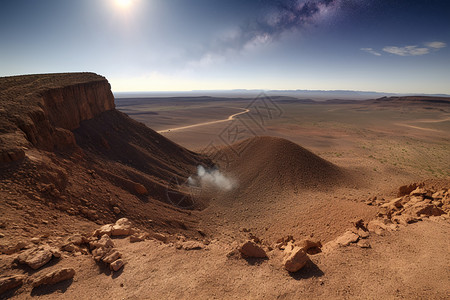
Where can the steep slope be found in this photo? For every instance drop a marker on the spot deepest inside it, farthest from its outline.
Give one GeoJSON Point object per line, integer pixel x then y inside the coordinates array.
{"type": "Point", "coordinates": [66, 155]}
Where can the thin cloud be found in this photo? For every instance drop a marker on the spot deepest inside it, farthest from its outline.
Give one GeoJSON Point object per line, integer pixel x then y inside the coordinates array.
{"type": "Point", "coordinates": [371, 51]}
{"type": "Point", "coordinates": [436, 45]}
{"type": "Point", "coordinates": [407, 50]}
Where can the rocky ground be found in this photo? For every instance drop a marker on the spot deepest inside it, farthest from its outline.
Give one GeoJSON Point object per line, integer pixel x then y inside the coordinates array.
{"type": "Point", "coordinates": [94, 205]}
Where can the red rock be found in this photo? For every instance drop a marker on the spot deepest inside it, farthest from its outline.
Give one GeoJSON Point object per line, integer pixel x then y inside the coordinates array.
{"type": "Point", "coordinates": [54, 277]}
{"type": "Point", "coordinates": [9, 282]}
{"type": "Point", "coordinates": [251, 249]}
{"type": "Point", "coordinates": [295, 259]}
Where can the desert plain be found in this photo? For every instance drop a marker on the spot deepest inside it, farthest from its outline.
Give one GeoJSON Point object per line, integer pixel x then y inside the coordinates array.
{"type": "Point", "coordinates": [158, 198]}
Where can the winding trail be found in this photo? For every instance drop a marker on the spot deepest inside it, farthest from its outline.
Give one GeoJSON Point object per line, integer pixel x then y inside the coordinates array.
{"type": "Point", "coordinates": [230, 118]}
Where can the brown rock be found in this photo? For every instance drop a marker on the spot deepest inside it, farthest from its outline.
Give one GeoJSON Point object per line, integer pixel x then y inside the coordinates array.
{"type": "Point", "coordinates": [423, 208]}
{"type": "Point", "coordinates": [9, 282]}
{"type": "Point", "coordinates": [105, 229]}
{"type": "Point", "coordinates": [347, 238]}
{"type": "Point", "coordinates": [116, 210]}
{"type": "Point", "coordinates": [376, 226]}
{"type": "Point", "coordinates": [363, 244]}
{"type": "Point", "coordinates": [54, 277]}
{"type": "Point", "coordinates": [6, 249]}
{"type": "Point", "coordinates": [406, 189]}
{"type": "Point", "coordinates": [137, 238]}
{"type": "Point", "coordinates": [122, 227]}
{"type": "Point", "coordinates": [158, 236]}
{"type": "Point", "coordinates": [112, 256]}
{"type": "Point", "coordinates": [295, 258]}
{"type": "Point", "coordinates": [104, 242]}
{"type": "Point", "coordinates": [116, 265]}
{"type": "Point", "coordinates": [251, 249]}
{"type": "Point", "coordinates": [140, 189]}
{"type": "Point", "coordinates": [362, 233]}
{"type": "Point", "coordinates": [192, 245]}
{"type": "Point", "coordinates": [310, 247]}
{"type": "Point", "coordinates": [36, 257]}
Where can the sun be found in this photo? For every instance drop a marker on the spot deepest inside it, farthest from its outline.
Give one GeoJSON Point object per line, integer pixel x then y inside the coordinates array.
{"type": "Point", "coordinates": [123, 3]}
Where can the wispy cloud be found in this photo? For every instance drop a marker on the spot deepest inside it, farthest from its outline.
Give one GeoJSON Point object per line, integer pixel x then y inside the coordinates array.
{"type": "Point", "coordinates": [407, 50]}
{"type": "Point", "coordinates": [283, 16]}
{"type": "Point", "coordinates": [371, 51]}
{"type": "Point", "coordinates": [412, 50]}
{"type": "Point", "coordinates": [436, 45]}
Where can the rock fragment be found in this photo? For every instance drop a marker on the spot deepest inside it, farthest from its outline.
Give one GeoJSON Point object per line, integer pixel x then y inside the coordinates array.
{"type": "Point", "coordinates": [53, 277]}
{"type": "Point", "coordinates": [116, 265]}
{"type": "Point", "coordinates": [10, 282]}
{"type": "Point", "coordinates": [252, 250]}
{"type": "Point", "coordinates": [295, 258]}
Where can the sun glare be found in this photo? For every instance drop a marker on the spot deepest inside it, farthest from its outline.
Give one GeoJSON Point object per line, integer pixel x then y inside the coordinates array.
{"type": "Point", "coordinates": [123, 3]}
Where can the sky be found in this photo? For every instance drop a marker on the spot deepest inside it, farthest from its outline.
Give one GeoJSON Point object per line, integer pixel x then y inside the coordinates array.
{"type": "Point", "coordinates": [396, 46]}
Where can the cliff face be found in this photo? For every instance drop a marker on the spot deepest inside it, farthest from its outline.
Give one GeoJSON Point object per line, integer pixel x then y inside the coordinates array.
{"type": "Point", "coordinates": [42, 110]}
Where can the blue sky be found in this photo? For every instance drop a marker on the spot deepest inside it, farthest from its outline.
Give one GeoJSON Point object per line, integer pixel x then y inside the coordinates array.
{"type": "Point", "coordinates": [178, 45]}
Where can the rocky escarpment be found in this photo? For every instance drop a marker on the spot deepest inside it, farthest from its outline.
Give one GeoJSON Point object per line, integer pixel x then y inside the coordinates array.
{"type": "Point", "coordinates": [42, 110]}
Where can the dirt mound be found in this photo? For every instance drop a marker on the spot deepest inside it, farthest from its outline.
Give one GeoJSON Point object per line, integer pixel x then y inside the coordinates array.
{"type": "Point", "coordinates": [271, 164]}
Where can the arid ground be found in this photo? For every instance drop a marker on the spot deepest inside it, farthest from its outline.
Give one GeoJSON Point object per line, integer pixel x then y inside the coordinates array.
{"type": "Point", "coordinates": [365, 182]}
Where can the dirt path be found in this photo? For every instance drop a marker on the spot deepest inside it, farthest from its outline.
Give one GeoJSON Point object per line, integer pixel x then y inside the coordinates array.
{"type": "Point", "coordinates": [230, 118]}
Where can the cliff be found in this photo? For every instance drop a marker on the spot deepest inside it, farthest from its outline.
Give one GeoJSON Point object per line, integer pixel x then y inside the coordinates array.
{"type": "Point", "coordinates": [42, 110]}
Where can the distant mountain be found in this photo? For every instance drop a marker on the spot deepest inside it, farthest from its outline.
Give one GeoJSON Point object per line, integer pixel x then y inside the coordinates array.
{"type": "Point", "coordinates": [318, 95]}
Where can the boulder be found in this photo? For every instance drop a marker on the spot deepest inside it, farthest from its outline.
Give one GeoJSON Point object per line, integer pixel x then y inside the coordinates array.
{"type": "Point", "coordinates": [251, 249]}
{"type": "Point", "coordinates": [116, 265]}
{"type": "Point", "coordinates": [53, 277]}
{"type": "Point", "coordinates": [8, 249]}
{"type": "Point", "coordinates": [295, 258]}
{"type": "Point", "coordinates": [37, 257]}
{"type": "Point", "coordinates": [362, 233]}
{"type": "Point", "coordinates": [122, 227]}
{"type": "Point", "coordinates": [10, 282]}
{"type": "Point", "coordinates": [347, 238]}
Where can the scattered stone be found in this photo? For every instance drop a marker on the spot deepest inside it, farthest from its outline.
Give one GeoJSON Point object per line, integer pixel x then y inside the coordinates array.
{"type": "Point", "coordinates": [295, 258]}
{"type": "Point", "coordinates": [347, 238]}
{"type": "Point", "coordinates": [54, 277]}
{"type": "Point", "coordinates": [116, 210]}
{"type": "Point", "coordinates": [2, 235]}
{"type": "Point", "coordinates": [251, 249]}
{"type": "Point", "coordinates": [105, 229]}
{"type": "Point", "coordinates": [116, 265]}
{"type": "Point", "coordinates": [35, 240]}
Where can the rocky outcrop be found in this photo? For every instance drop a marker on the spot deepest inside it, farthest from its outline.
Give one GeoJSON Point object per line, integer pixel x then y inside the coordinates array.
{"type": "Point", "coordinates": [42, 110]}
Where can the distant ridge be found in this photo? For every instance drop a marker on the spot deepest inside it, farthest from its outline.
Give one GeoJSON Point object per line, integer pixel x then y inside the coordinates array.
{"type": "Point", "coordinates": [318, 95]}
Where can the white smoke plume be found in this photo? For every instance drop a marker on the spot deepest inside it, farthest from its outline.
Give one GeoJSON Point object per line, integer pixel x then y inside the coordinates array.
{"type": "Point", "coordinates": [211, 178]}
